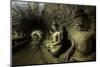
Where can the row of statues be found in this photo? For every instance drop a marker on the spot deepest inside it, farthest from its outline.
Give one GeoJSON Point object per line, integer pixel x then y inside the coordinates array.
{"type": "Point", "coordinates": [59, 44]}
{"type": "Point", "coordinates": [75, 46]}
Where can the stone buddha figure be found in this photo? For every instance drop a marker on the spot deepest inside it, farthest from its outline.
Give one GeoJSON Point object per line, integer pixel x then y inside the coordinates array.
{"type": "Point", "coordinates": [55, 44]}
{"type": "Point", "coordinates": [82, 38]}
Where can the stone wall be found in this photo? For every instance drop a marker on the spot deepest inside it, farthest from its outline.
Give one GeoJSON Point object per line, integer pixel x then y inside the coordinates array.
{"type": "Point", "coordinates": [25, 15]}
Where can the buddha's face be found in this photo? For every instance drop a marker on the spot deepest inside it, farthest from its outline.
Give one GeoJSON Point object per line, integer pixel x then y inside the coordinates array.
{"type": "Point", "coordinates": [35, 38]}
{"type": "Point", "coordinates": [80, 23]}
{"type": "Point", "coordinates": [53, 28]}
